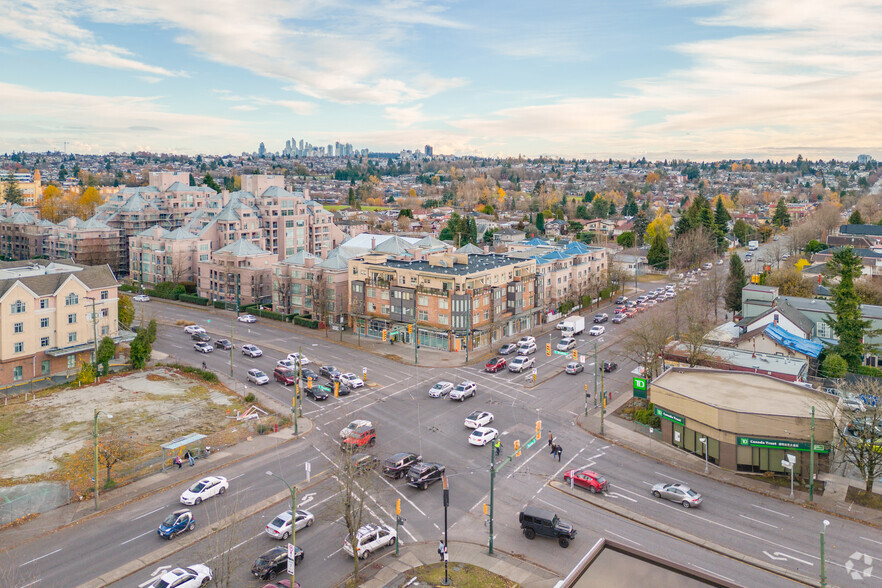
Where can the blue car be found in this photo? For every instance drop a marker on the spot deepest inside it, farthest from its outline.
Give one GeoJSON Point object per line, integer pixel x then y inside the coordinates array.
{"type": "Point", "coordinates": [176, 523]}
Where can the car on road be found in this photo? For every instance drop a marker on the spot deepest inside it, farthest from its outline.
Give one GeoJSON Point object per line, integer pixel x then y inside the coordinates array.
{"type": "Point", "coordinates": [681, 493]}
{"type": "Point", "coordinates": [364, 436]}
{"type": "Point", "coordinates": [251, 350]}
{"type": "Point", "coordinates": [508, 349]}
{"type": "Point", "coordinates": [527, 349]}
{"type": "Point", "coordinates": [257, 376]}
{"type": "Point", "coordinates": [631, 312]}
{"type": "Point", "coordinates": [330, 372]}
{"type": "Point", "coordinates": [141, 298]}
{"type": "Point", "coordinates": [479, 418]}
{"type": "Point", "coordinates": [369, 539]}
{"type": "Point", "coordinates": [538, 521]}
{"type": "Point", "coordinates": [190, 329]}
{"type": "Point", "coordinates": [483, 435]}
{"type": "Point", "coordinates": [225, 344]}
{"type": "Point", "coordinates": [463, 391]}
{"type": "Point", "coordinates": [574, 367]}
{"type": "Point", "coordinates": [520, 363]}
{"type": "Point", "coordinates": [274, 561]}
{"type": "Point", "coordinates": [176, 523]}
{"type": "Point", "coordinates": [318, 392]}
{"type": "Point", "coordinates": [306, 374]}
{"type": "Point", "coordinates": [707, 265]}
{"type": "Point", "coordinates": [566, 344]}
{"type": "Point", "coordinates": [280, 527]}
{"type": "Point", "coordinates": [204, 489]}
{"type": "Point", "coordinates": [495, 364]}
{"type": "Point", "coordinates": [362, 462]}
{"type": "Point", "coordinates": [189, 577]}
{"type": "Point", "coordinates": [601, 318]}
{"type": "Point", "coordinates": [440, 389]}
{"type": "Point", "coordinates": [619, 318]}
{"type": "Point", "coordinates": [285, 375]}
{"type": "Point", "coordinates": [351, 380]}
{"type": "Point", "coordinates": [560, 325]}
{"type": "Point", "coordinates": [287, 364]}
{"type": "Point", "coordinates": [247, 318]}
{"type": "Point", "coordinates": [526, 340]}
{"type": "Point", "coordinates": [597, 330]}
{"type": "Point", "coordinates": [721, 261]}
{"type": "Point", "coordinates": [299, 357]}
{"type": "Point", "coordinates": [591, 480]}
{"type": "Point", "coordinates": [622, 300]}
{"type": "Point", "coordinates": [344, 432]}
{"type": "Point", "coordinates": [610, 366]}
{"type": "Point", "coordinates": [200, 336]}
{"type": "Point", "coordinates": [397, 465]}
{"type": "Point", "coordinates": [203, 347]}
{"type": "Point", "coordinates": [631, 304]}
{"type": "Point", "coordinates": [423, 474]}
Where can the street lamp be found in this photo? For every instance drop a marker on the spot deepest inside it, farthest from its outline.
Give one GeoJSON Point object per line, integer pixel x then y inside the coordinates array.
{"type": "Point", "coordinates": [95, 443]}
{"type": "Point", "coordinates": [823, 561]}
{"type": "Point", "coordinates": [293, 491]}
{"type": "Point", "coordinates": [789, 464]}
{"type": "Point", "coordinates": [703, 441]}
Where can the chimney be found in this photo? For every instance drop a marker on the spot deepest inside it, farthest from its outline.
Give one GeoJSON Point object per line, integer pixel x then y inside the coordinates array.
{"type": "Point", "coordinates": [373, 243]}
{"type": "Point", "coordinates": [486, 249]}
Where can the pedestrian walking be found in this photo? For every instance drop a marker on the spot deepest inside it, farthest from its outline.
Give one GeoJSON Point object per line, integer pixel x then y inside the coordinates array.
{"type": "Point", "coordinates": [498, 447]}
{"type": "Point", "coordinates": [441, 549]}
{"type": "Point", "coordinates": [553, 448]}
{"type": "Point", "coordinates": [550, 438]}
{"type": "Point", "coordinates": [559, 451]}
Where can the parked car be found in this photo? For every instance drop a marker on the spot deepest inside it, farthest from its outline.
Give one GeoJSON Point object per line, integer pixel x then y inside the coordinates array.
{"type": "Point", "coordinates": [853, 405]}
{"type": "Point", "coordinates": [318, 392]}
{"type": "Point", "coordinates": [440, 389]}
{"type": "Point", "coordinates": [285, 375]}
{"type": "Point", "coordinates": [225, 344]}
{"type": "Point", "coordinates": [204, 489]}
{"type": "Point", "coordinates": [463, 391]}
{"type": "Point", "coordinates": [330, 372]}
{"type": "Point", "coordinates": [601, 318]}
{"type": "Point", "coordinates": [610, 366]}
{"type": "Point", "coordinates": [351, 380]}
{"type": "Point", "coordinates": [190, 577]}
{"type": "Point", "coordinates": [706, 266]}
{"type": "Point", "coordinates": [528, 349]}
{"type": "Point", "coordinates": [283, 583]}
{"type": "Point", "coordinates": [593, 481]}
{"type": "Point", "coordinates": [274, 561]}
{"type": "Point", "coordinates": [479, 418]}
{"type": "Point", "coordinates": [251, 350]}
{"type": "Point", "coordinates": [190, 329]}
{"type": "Point", "coordinates": [677, 493]}
{"type": "Point", "coordinates": [397, 465]}
{"type": "Point", "coordinates": [257, 376]}
{"type": "Point", "coordinates": [299, 358]}
{"type": "Point", "coordinates": [369, 539]}
{"type": "Point", "coordinates": [203, 347]}
{"type": "Point", "coordinates": [507, 349]}
{"type": "Point", "coordinates": [520, 363]}
{"type": "Point", "coordinates": [483, 435]}
{"type": "Point", "coordinates": [176, 523]}
{"type": "Point", "coordinates": [495, 364]}
{"type": "Point", "coordinates": [200, 336]}
{"type": "Point", "coordinates": [247, 318]}
{"type": "Point", "coordinates": [538, 521]}
{"type": "Point", "coordinates": [344, 432]}
{"type": "Point", "coordinates": [423, 474]}
{"type": "Point", "coordinates": [566, 344]}
{"type": "Point", "coordinates": [280, 527]}
{"type": "Point", "coordinates": [574, 367]}
{"type": "Point", "coordinates": [364, 436]}
{"type": "Point", "coordinates": [141, 298]}
{"type": "Point", "coordinates": [597, 330]}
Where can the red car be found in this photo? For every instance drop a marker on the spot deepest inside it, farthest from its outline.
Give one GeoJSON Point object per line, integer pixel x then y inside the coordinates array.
{"type": "Point", "coordinates": [495, 364]}
{"type": "Point", "coordinates": [593, 481]}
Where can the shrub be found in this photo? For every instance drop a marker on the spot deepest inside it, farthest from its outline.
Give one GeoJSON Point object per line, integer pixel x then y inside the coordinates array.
{"type": "Point", "coordinates": [194, 299]}
{"type": "Point", "coordinates": [565, 307]}
{"type": "Point", "coordinates": [128, 288]}
{"type": "Point", "coordinates": [263, 429]}
{"type": "Point", "coordinates": [204, 374]}
{"type": "Point", "coordinates": [305, 322]}
{"type": "Point", "coordinates": [220, 304]}
{"type": "Point", "coordinates": [249, 397]}
{"type": "Point", "coordinates": [647, 416]}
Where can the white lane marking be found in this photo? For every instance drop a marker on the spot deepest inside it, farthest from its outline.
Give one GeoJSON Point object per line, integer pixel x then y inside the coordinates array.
{"type": "Point", "coordinates": [622, 537]}
{"type": "Point", "coordinates": [778, 556]}
{"type": "Point", "coordinates": [712, 573]}
{"type": "Point", "coordinates": [32, 583]}
{"type": "Point", "coordinates": [234, 478]}
{"type": "Point", "coordinates": [138, 537]}
{"type": "Point", "coordinates": [554, 506]}
{"type": "Point", "coordinates": [39, 558]}
{"type": "Point", "coordinates": [756, 521]}
{"type": "Point", "coordinates": [525, 462]}
{"type": "Point", "coordinates": [236, 546]}
{"type": "Point", "coordinates": [772, 511]}
{"type": "Point", "coordinates": [617, 495]}
{"type": "Point", "coordinates": [333, 554]}
{"type": "Point", "coordinates": [148, 513]}
{"type": "Point", "coordinates": [397, 491]}
{"type": "Point", "coordinates": [619, 488]}
{"type": "Point", "coordinates": [668, 476]}
{"type": "Point", "coordinates": [479, 503]}
{"type": "Point", "coordinates": [871, 540]}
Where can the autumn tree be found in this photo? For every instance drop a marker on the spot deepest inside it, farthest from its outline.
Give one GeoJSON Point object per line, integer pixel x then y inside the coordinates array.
{"type": "Point", "coordinates": [646, 340]}
{"type": "Point", "coordinates": [862, 443]}
{"type": "Point", "coordinates": [88, 201]}
{"type": "Point", "coordinates": [50, 203]}
{"type": "Point", "coordinates": [691, 248]}
{"type": "Point", "coordinates": [125, 311]}
{"type": "Point", "coordinates": [113, 449]}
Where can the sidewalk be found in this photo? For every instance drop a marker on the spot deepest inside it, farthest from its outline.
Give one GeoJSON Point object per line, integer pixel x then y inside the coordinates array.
{"type": "Point", "coordinates": [390, 570]}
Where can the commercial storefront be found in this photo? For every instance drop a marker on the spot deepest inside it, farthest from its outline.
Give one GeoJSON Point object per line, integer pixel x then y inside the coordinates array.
{"type": "Point", "coordinates": [745, 422]}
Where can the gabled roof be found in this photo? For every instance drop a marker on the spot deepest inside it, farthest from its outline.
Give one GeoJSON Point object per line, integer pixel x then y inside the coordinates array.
{"type": "Point", "coordinates": [555, 255]}
{"type": "Point", "coordinates": [299, 258]}
{"type": "Point", "coordinates": [469, 248]}
{"type": "Point", "coordinates": [430, 242]}
{"type": "Point", "coordinates": [394, 246]}
{"type": "Point", "coordinates": [179, 187]}
{"type": "Point", "coordinates": [98, 276]}
{"type": "Point", "coordinates": [242, 248]}
{"type": "Point", "coordinates": [578, 248]}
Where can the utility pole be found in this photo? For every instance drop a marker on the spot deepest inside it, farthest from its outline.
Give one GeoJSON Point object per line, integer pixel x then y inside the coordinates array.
{"type": "Point", "coordinates": [416, 343]}
{"type": "Point", "coordinates": [602, 403]}
{"type": "Point", "coordinates": [823, 559]}
{"type": "Point", "coordinates": [95, 443]}
{"type": "Point", "coordinates": [446, 503]}
{"type": "Point", "coordinates": [812, 469]}
{"type": "Point", "coordinates": [492, 481]}
{"type": "Point", "coordinates": [595, 375]}
{"type": "Point", "coordinates": [95, 332]}
{"type": "Point", "coordinates": [494, 467]}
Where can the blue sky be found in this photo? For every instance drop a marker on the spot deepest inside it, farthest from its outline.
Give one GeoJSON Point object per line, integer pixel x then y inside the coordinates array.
{"type": "Point", "coordinates": [701, 79]}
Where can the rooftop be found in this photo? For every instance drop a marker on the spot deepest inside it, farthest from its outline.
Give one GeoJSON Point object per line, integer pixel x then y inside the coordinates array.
{"type": "Point", "coordinates": [476, 263]}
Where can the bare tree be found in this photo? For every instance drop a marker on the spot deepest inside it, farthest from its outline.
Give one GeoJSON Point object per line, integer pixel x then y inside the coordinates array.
{"type": "Point", "coordinates": [712, 288]}
{"type": "Point", "coordinates": [776, 251]}
{"type": "Point", "coordinates": [320, 298]}
{"type": "Point", "coordinates": [115, 448]}
{"type": "Point", "coordinates": [220, 553]}
{"type": "Point", "coordinates": [646, 340]}
{"type": "Point", "coordinates": [355, 484]}
{"type": "Point", "coordinates": [616, 276]}
{"type": "Point", "coordinates": [691, 249]}
{"type": "Point", "coordinates": [861, 431]}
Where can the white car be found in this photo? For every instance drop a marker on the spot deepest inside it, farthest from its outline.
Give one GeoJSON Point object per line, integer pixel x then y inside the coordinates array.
{"type": "Point", "coordinates": [566, 344]}
{"type": "Point", "coordinates": [853, 405]}
{"type": "Point", "coordinates": [258, 377]}
{"type": "Point", "coordinates": [483, 435]}
{"type": "Point", "coordinates": [192, 329]}
{"type": "Point", "coordinates": [203, 489]}
{"type": "Point", "coordinates": [520, 363]}
{"type": "Point", "coordinates": [247, 318]}
{"type": "Point", "coordinates": [203, 347]}
{"type": "Point", "coordinates": [479, 418]}
{"type": "Point", "coordinates": [141, 298]}
{"type": "Point", "coordinates": [351, 380]}
{"type": "Point", "coordinates": [189, 577]}
{"type": "Point", "coordinates": [344, 432]}
{"type": "Point", "coordinates": [440, 389]}
{"type": "Point", "coordinates": [526, 340]}
{"type": "Point", "coordinates": [287, 363]}
{"type": "Point", "coordinates": [597, 330]}
{"type": "Point", "coordinates": [527, 349]}
{"type": "Point", "coordinates": [368, 539]}
{"type": "Point", "coordinates": [560, 325]}
{"type": "Point", "coordinates": [280, 527]}
{"type": "Point", "coordinates": [299, 357]}
{"type": "Point", "coordinates": [464, 390]}
{"type": "Point", "coordinates": [251, 350]}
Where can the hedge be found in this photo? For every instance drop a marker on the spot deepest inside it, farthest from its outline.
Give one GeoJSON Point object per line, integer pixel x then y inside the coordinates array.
{"type": "Point", "coordinates": [305, 322]}
{"type": "Point", "coordinates": [220, 304]}
{"type": "Point", "coordinates": [270, 314]}
{"type": "Point", "coordinates": [194, 299]}
{"type": "Point", "coordinates": [127, 288]}
{"type": "Point", "coordinates": [158, 294]}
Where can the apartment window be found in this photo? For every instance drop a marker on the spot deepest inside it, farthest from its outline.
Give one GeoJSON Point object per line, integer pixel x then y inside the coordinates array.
{"type": "Point", "coordinates": [476, 317]}
{"type": "Point", "coordinates": [44, 367]}
{"type": "Point", "coordinates": [105, 329]}
{"type": "Point", "coordinates": [71, 299]}
{"type": "Point", "coordinates": [443, 319]}
{"type": "Point", "coordinates": [44, 342]}
{"type": "Point", "coordinates": [422, 315]}
{"type": "Point", "coordinates": [72, 337]}
{"type": "Point", "coordinates": [384, 295]}
{"type": "Point", "coordinates": [17, 373]}
{"type": "Point", "coordinates": [423, 301]}
{"type": "Point", "coordinates": [44, 303]}
{"type": "Point", "coordinates": [385, 309]}
{"type": "Point", "coordinates": [19, 347]}
{"type": "Point", "coordinates": [105, 293]}
{"type": "Point", "coordinates": [18, 307]}
{"type": "Point", "coordinates": [486, 315]}
{"type": "Point", "coordinates": [824, 330]}
{"type": "Point", "coordinates": [71, 361]}
{"type": "Point", "coordinates": [372, 307]}
{"type": "Point", "coordinates": [72, 319]}
{"type": "Point", "coordinates": [19, 328]}
{"type": "Point", "coordinates": [105, 312]}
{"type": "Point", "coordinates": [443, 303]}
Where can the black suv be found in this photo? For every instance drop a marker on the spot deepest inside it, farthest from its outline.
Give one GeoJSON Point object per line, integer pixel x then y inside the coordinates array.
{"type": "Point", "coordinates": [423, 474]}
{"type": "Point", "coordinates": [537, 521]}
{"type": "Point", "coordinates": [274, 561]}
{"type": "Point", "coordinates": [610, 366]}
{"type": "Point", "coordinates": [330, 372]}
{"type": "Point", "coordinates": [223, 344]}
{"type": "Point", "coordinates": [397, 465]}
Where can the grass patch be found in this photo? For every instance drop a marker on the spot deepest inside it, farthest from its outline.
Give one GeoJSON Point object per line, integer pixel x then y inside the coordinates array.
{"type": "Point", "coordinates": [863, 498]}
{"type": "Point", "coordinates": [461, 575]}
{"type": "Point", "coordinates": [156, 378]}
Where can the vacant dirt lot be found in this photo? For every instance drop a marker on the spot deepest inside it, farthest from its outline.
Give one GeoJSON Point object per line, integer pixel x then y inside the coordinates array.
{"type": "Point", "coordinates": [149, 407]}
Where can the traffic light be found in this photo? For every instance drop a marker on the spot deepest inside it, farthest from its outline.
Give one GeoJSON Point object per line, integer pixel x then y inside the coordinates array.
{"type": "Point", "coordinates": [485, 508]}
{"type": "Point", "coordinates": [517, 448]}
{"type": "Point", "coordinates": [336, 389]}
{"type": "Point", "coordinates": [538, 430]}
{"type": "Point", "coordinates": [309, 382]}
{"type": "Point", "coordinates": [409, 329]}
{"type": "Point", "coordinates": [548, 349]}
{"type": "Point", "coordinates": [575, 354]}
{"type": "Point", "coordinates": [384, 334]}
{"type": "Point", "coordinates": [398, 506]}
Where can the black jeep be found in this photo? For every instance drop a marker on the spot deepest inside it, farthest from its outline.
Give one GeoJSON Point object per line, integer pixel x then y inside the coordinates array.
{"type": "Point", "coordinates": [537, 521]}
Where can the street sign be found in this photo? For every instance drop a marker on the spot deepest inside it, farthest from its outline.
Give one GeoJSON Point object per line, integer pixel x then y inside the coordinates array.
{"type": "Point", "coordinates": [534, 371]}
{"type": "Point", "coordinates": [562, 352]}
{"type": "Point", "coordinates": [290, 569]}
{"type": "Point", "coordinates": [640, 386]}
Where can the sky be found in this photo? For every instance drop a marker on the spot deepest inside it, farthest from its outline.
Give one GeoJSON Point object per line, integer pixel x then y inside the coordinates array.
{"type": "Point", "coordinates": [661, 79]}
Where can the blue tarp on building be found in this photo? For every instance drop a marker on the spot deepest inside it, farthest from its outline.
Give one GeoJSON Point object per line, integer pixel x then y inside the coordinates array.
{"type": "Point", "coordinates": [794, 343]}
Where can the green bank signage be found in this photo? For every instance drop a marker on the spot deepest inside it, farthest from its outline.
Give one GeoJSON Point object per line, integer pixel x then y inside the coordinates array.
{"type": "Point", "coordinates": [781, 444]}
{"type": "Point", "coordinates": [640, 386]}
{"type": "Point", "coordinates": [669, 416]}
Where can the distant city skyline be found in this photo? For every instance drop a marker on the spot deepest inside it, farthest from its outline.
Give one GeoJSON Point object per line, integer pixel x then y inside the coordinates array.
{"type": "Point", "coordinates": [663, 79]}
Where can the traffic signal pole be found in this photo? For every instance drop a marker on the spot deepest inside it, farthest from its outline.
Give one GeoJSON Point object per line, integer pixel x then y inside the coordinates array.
{"type": "Point", "coordinates": [494, 467]}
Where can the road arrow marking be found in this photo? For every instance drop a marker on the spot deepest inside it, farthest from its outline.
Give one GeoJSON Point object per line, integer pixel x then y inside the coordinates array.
{"type": "Point", "coordinates": [157, 572]}
{"type": "Point", "coordinates": [778, 556]}
{"type": "Point", "coordinates": [307, 498]}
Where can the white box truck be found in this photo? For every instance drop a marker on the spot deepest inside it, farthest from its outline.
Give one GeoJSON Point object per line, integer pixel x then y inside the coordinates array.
{"type": "Point", "coordinates": [752, 245]}
{"type": "Point", "coordinates": [572, 326]}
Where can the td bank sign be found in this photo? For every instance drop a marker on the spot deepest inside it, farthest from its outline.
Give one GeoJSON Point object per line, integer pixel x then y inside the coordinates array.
{"type": "Point", "coordinates": [781, 444]}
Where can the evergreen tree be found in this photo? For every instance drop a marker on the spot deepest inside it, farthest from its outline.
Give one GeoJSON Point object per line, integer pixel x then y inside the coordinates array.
{"type": "Point", "coordinates": [737, 281]}
{"type": "Point", "coordinates": [473, 231]}
{"type": "Point", "coordinates": [684, 225]}
{"type": "Point", "coordinates": [351, 200]}
{"type": "Point", "coordinates": [721, 215]}
{"type": "Point", "coordinates": [849, 325]}
{"type": "Point", "coordinates": [658, 253]}
{"type": "Point", "coordinates": [641, 223]}
{"type": "Point", "coordinates": [612, 208]}
{"type": "Point", "coordinates": [600, 207]}
{"type": "Point", "coordinates": [856, 218]}
{"type": "Point", "coordinates": [13, 193]}
{"type": "Point", "coordinates": [192, 180]}
{"type": "Point", "coordinates": [781, 218]}
{"type": "Point", "coordinates": [209, 181]}
{"type": "Point", "coordinates": [540, 222]}
{"type": "Point", "coordinates": [589, 196]}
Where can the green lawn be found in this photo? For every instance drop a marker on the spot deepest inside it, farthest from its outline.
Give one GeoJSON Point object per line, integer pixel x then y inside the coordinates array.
{"type": "Point", "coordinates": [461, 575]}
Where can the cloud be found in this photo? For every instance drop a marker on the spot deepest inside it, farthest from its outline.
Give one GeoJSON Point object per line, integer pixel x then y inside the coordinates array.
{"type": "Point", "coordinates": [405, 116]}
{"type": "Point", "coordinates": [243, 107]}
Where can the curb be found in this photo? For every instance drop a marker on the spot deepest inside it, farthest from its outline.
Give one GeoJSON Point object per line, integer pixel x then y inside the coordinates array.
{"type": "Point", "coordinates": [684, 536]}
{"type": "Point", "coordinates": [156, 555]}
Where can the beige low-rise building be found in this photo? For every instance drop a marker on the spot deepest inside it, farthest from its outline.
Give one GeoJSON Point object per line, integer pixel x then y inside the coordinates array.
{"type": "Point", "coordinates": [159, 255]}
{"type": "Point", "coordinates": [309, 285]}
{"type": "Point", "coordinates": [238, 274]}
